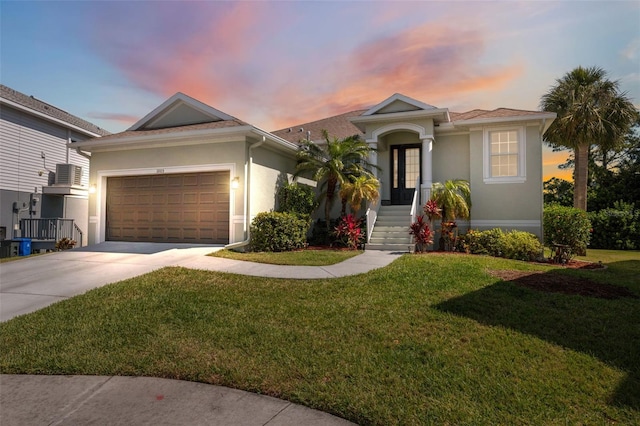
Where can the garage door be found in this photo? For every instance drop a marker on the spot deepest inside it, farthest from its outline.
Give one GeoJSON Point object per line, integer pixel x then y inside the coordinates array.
{"type": "Point", "coordinates": [181, 208]}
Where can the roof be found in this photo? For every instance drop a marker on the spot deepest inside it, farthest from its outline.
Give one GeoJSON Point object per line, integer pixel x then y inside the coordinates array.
{"type": "Point", "coordinates": [202, 126]}
{"type": "Point", "coordinates": [338, 126]}
{"type": "Point", "coordinates": [34, 104]}
{"type": "Point", "coordinates": [341, 127]}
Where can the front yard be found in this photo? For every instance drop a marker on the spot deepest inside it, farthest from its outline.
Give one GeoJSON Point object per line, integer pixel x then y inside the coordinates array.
{"type": "Point", "coordinates": [430, 339]}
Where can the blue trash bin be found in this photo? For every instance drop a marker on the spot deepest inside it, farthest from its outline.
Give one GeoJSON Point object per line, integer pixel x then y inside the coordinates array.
{"type": "Point", "coordinates": [24, 249]}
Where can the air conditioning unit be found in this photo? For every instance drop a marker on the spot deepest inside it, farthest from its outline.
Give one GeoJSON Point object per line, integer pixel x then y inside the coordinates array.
{"type": "Point", "coordinates": [68, 174]}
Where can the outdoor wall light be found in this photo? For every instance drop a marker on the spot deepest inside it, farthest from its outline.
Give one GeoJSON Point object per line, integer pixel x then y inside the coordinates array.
{"type": "Point", "coordinates": [92, 188]}
{"type": "Point", "coordinates": [235, 183]}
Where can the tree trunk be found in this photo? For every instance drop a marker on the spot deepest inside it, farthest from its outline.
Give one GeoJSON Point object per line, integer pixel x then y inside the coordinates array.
{"type": "Point", "coordinates": [581, 154]}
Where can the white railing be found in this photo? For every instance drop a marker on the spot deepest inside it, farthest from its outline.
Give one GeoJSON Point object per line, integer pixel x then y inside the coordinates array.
{"type": "Point", "coordinates": [372, 216]}
{"type": "Point", "coordinates": [415, 203]}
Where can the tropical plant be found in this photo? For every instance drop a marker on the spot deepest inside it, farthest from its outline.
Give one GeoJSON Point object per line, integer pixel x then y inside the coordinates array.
{"type": "Point", "coordinates": [359, 188]}
{"type": "Point", "coordinates": [349, 229]}
{"type": "Point", "coordinates": [332, 163]}
{"type": "Point", "coordinates": [454, 199]}
{"type": "Point", "coordinates": [296, 198]}
{"type": "Point", "coordinates": [566, 226]}
{"type": "Point", "coordinates": [591, 111]}
{"type": "Point", "coordinates": [422, 234]}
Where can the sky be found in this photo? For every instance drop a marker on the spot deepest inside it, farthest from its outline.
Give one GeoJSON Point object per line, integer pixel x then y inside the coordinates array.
{"type": "Point", "coordinates": [275, 64]}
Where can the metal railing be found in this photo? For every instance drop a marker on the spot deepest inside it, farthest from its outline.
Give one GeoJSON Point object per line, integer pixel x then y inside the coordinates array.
{"type": "Point", "coordinates": [51, 229]}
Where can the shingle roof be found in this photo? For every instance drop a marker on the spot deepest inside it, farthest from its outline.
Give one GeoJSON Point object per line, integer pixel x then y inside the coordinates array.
{"type": "Point", "coordinates": [337, 126]}
{"type": "Point", "coordinates": [340, 126]}
{"type": "Point", "coordinates": [202, 126]}
{"type": "Point", "coordinates": [50, 110]}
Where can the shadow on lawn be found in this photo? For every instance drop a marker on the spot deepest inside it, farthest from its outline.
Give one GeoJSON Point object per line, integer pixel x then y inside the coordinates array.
{"type": "Point", "coordinates": [606, 329]}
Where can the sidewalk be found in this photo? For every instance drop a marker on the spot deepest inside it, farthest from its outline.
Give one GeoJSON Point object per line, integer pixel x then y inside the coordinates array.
{"type": "Point", "coordinates": [103, 400]}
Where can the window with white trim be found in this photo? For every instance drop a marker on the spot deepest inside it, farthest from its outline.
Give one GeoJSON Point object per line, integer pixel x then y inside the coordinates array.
{"type": "Point", "coordinates": [504, 155]}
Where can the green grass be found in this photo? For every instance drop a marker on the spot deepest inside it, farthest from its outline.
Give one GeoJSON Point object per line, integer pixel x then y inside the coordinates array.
{"type": "Point", "coordinates": [300, 257]}
{"type": "Point", "coordinates": [430, 339]}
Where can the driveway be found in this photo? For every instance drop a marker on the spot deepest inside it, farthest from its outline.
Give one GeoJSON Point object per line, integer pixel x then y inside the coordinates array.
{"type": "Point", "coordinates": [29, 284]}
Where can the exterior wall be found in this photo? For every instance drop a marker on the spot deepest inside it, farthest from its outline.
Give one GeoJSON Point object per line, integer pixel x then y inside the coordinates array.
{"type": "Point", "coordinates": [507, 205]}
{"type": "Point", "coordinates": [24, 137]}
{"type": "Point", "coordinates": [451, 157]}
{"type": "Point", "coordinates": [269, 171]}
{"type": "Point", "coordinates": [178, 159]}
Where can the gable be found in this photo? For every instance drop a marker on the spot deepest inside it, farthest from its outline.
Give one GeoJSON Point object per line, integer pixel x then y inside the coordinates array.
{"type": "Point", "coordinates": [399, 103]}
{"type": "Point", "coordinates": [397, 106]}
{"type": "Point", "coordinates": [177, 111]}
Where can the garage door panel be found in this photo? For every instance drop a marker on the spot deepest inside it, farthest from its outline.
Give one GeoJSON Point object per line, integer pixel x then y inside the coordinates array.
{"type": "Point", "coordinates": [177, 208]}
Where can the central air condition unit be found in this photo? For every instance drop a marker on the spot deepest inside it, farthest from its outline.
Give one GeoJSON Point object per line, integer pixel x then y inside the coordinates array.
{"type": "Point", "coordinates": [68, 174]}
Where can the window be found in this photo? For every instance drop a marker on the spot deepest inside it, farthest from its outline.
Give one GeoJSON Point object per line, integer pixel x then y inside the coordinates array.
{"type": "Point", "coordinates": [504, 157]}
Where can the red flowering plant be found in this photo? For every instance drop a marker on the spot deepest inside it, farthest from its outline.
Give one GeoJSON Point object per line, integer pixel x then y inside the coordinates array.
{"type": "Point", "coordinates": [349, 229]}
{"type": "Point", "coordinates": [422, 233]}
{"type": "Point", "coordinates": [449, 234]}
{"type": "Point", "coordinates": [432, 210]}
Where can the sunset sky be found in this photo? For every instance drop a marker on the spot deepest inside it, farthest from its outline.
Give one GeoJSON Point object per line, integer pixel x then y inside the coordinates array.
{"type": "Point", "coordinates": [276, 64]}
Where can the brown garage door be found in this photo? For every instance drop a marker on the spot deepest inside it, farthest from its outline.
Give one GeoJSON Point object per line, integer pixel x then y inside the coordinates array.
{"type": "Point", "coordinates": [184, 208]}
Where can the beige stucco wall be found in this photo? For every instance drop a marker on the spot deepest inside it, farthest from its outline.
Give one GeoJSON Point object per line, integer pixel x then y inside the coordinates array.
{"type": "Point", "coordinates": [451, 157]}
{"type": "Point", "coordinates": [269, 171]}
{"type": "Point", "coordinates": [516, 203]}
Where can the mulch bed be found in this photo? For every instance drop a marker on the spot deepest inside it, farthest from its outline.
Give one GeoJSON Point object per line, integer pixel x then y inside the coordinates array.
{"type": "Point", "coordinates": [559, 283]}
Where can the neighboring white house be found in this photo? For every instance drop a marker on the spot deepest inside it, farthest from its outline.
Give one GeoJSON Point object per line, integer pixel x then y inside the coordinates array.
{"type": "Point", "coordinates": [187, 172]}
{"type": "Point", "coordinates": [35, 139]}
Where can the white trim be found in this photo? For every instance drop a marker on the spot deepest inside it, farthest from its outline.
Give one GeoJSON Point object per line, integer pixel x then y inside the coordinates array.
{"type": "Point", "coordinates": [101, 188]}
{"type": "Point", "coordinates": [506, 223]}
{"type": "Point", "coordinates": [421, 131]}
{"type": "Point", "coordinates": [522, 157]}
{"type": "Point", "coordinates": [180, 98]}
{"type": "Point", "coordinates": [398, 97]}
{"type": "Point", "coordinates": [514, 119]}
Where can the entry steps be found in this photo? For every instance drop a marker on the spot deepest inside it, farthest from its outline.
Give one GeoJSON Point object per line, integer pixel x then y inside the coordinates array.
{"type": "Point", "coordinates": [391, 230]}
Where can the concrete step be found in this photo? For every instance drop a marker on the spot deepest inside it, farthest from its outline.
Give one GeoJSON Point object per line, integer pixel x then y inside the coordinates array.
{"type": "Point", "coordinates": [402, 248]}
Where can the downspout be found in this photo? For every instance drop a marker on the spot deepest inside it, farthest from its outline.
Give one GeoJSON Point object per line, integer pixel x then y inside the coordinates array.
{"type": "Point", "coordinates": [247, 198]}
{"type": "Point", "coordinates": [542, 129]}
{"type": "Point", "coordinates": [83, 154]}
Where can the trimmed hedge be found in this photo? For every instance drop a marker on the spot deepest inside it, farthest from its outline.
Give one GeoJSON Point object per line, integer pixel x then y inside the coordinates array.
{"type": "Point", "coordinates": [568, 226]}
{"type": "Point", "coordinates": [517, 245]}
{"type": "Point", "coordinates": [278, 231]}
{"type": "Point", "coordinates": [298, 199]}
{"type": "Point", "coordinates": [616, 228]}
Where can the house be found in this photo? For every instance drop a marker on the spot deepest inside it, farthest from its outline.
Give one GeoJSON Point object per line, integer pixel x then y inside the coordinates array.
{"type": "Point", "coordinates": [187, 172]}
{"type": "Point", "coordinates": [35, 143]}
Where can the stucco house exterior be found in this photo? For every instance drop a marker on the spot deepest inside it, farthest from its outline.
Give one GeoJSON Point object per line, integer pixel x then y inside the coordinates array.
{"type": "Point", "coordinates": [187, 172]}
{"type": "Point", "coordinates": [36, 138]}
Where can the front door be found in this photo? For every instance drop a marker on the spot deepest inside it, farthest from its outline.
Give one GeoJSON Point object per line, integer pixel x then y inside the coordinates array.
{"type": "Point", "coordinates": [405, 170]}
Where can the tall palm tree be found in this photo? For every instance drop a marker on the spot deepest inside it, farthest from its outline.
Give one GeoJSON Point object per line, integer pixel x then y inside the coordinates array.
{"type": "Point", "coordinates": [357, 189]}
{"type": "Point", "coordinates": [331, 163]}
{"type": "Point", "coordinates": [454, 199]}
{"type": "Point", "coordinates": [591, 111]}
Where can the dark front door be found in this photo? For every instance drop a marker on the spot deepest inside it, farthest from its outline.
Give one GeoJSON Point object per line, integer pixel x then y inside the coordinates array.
{"type": "Point", "coordinates": [405, 169]}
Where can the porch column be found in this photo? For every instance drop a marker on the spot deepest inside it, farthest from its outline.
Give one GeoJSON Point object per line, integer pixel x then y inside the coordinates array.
{"type": "Point", "coordinates": [427, 169]}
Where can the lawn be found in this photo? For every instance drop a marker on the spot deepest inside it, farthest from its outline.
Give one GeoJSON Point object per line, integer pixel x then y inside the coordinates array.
{"type": "Point", "coordinates": [430, 339]}
{"type": "Point", "coordinates": [299, 257]}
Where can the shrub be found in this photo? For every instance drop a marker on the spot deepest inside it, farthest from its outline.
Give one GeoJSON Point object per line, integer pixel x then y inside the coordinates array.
{"type": "Point", "coordinates": [483, 242]}
{"type": "Point", "coordinates": [517, 245]}
{"type": "Point", "coordinates": [422, 234]}
{"type": "Point", "coordinates": [568, 226]}
{"type": "Point", "coordinates": [616, 228]}
{"type": "Point", "coordinates": [298, 199]}
{"type": "Point", "coordinates": [65, 244]}
{"type": "Point", "coordinates": [349, 230]}
{"type": "Point", "coordinates": [521, 245]}
{"type": "Point", "coordinates": [278, 231]}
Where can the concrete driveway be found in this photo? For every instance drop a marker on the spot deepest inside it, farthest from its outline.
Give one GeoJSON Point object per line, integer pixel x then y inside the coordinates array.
{"type": "Point", "coordinates": [29, 284]}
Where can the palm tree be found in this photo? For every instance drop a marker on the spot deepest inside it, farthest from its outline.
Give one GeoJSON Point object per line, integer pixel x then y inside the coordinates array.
{"type": "Point", "coordinates": [357, 189]}
{"type": "Point", "coordinates": [591, 111]}
{"type": "Point", "coordinates": [331, 163]}
{"type": "Point", "coordinates": [454, 199]}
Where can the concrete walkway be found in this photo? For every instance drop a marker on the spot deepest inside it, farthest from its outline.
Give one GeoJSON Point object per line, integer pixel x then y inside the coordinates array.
{"type": "Point", "coordinates": [29, 284]}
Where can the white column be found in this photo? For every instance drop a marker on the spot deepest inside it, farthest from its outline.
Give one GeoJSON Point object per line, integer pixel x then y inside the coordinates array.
{"type": "Point", "coordinates": [427, 169]}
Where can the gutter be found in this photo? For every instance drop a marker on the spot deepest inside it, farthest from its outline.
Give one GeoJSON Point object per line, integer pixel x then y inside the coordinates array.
{"type": "Point", "coordinates": [247, 198]}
